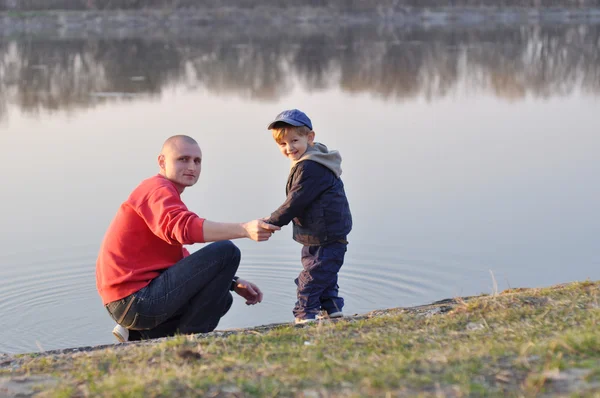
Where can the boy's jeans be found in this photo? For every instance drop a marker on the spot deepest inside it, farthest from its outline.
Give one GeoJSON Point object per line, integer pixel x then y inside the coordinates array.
{"type": "Point", "coordinates": [189, 297]}
{"type": "Point", "coordinates": [317, 284]}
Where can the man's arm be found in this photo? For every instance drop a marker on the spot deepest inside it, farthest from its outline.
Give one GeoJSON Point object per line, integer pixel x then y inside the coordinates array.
{"type": "Point", "coordinates": [257, 230]}
{"type": "Point", "coordinates": [168, 217]}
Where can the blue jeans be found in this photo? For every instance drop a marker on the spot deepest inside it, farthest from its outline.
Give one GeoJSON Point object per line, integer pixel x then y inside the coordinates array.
{"type": "Point", "coordinates": [189, 297]}
{"type": "Point", "coordinates": [317, 283]}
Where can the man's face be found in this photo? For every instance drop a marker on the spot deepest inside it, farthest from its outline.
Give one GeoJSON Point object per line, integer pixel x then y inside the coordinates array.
{"type": "Point", "coordinates": [181, 163]}
{"type": "Point", "coordinates": [293, 145]}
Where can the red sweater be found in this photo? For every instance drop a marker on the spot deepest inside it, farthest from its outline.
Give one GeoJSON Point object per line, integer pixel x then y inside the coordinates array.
{"type": "Point", "coordinates": [146, 236]}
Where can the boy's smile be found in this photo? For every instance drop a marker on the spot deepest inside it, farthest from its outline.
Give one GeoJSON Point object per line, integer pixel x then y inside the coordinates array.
{"type": "Point", "coordinates": [294, 145]}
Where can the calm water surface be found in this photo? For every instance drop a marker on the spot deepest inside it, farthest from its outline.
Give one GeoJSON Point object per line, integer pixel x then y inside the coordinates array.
{"type": "Point", "coordinates": [470, 160]}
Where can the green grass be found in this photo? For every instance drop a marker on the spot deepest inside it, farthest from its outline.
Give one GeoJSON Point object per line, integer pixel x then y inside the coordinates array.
{"type": "Point", "coordinates": [518, 343]}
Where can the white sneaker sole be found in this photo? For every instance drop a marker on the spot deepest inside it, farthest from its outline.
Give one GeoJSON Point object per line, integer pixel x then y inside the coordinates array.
{"type": "Point", "coordinates": [333, 315]}
{"type": "Point", "coordinates": [298, 321]}
{"type": "Point", "coordinates": [121, 334]}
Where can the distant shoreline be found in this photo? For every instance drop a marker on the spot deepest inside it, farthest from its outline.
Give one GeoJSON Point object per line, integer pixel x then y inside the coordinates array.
{"type": "Point", "coordinates": [348, 5]}
{"type": "Point", "coordinates": [186, 20]}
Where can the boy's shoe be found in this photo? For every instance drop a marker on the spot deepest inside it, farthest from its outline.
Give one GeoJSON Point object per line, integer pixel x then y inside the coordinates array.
{"type": "Point", "coordinates": [121, 333]}
{"type": "Point", "coordinates": [324, 315]}
{"type": "Point", "coordinates": [299, 321]}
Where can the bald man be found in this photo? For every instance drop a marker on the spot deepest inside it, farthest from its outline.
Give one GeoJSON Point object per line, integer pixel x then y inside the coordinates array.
{"type": "Point", "coordinates": [149, 283]}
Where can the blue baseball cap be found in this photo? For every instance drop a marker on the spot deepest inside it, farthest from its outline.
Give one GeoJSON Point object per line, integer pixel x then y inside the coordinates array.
{"type": "Point", "coordinates": [294, 117]}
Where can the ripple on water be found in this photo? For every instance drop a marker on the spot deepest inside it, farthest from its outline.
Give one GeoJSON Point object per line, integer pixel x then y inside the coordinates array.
{"type": "Point", "coordinates": [43, 296]}
{"type": "Point", "coordinates": [373, 276]}
{"type": "Point", "coordinates": [48, 298]}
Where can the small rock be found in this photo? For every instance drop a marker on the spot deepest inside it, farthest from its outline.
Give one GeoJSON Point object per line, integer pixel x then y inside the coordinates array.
{"type": "Point", "coordinates": [231, 390]}
{"type": "Point", "coordinates": [566, 375]}
{"type": "Point", "coordinates": [311, 394]}
{"type": "Point", "coordinates": [23, 386]}
{"type": "Point", "coordinates": [433, 311]}
{"type": "Point", "coordinates": [475, 326]}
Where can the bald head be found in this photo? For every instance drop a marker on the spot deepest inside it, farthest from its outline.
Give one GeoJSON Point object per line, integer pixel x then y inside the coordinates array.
{"type": "Point", "coordinates": [180, 161]}
{"type": "Point", "coordinates": [175, 141]}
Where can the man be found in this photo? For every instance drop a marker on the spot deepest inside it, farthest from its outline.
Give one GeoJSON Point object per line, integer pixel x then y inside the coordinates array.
{"type": "Point", "coordinates": [149, 283]}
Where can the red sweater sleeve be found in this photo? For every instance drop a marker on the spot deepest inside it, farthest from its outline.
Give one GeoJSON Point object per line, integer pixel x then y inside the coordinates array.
{"type": "Point", "coordinates": [145, 237]}
{"type": "Point", "coordinates": [169, 219]}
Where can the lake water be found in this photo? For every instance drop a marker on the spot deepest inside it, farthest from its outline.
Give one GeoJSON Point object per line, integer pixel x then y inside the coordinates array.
{"type": "Point", "coordinates": [470, 159]}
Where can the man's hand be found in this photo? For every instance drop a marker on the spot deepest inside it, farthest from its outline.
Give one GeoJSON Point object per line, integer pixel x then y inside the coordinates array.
{"type": "Point", "coordinates": [259, 230]}
{"type": "Point", "coordinates": [249, 291]}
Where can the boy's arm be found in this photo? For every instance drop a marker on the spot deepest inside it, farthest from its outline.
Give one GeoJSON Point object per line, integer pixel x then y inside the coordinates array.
{"type": "Point", "coordinates": [310, 181]}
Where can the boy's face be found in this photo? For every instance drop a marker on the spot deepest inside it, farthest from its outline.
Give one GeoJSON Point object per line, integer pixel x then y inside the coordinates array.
{"type": "Point", "coordinates": [293, 145]}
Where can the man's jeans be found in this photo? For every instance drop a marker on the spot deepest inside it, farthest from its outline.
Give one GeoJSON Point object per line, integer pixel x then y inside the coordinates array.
{"type": "Point", "coordinates": [317, 283]}
{"type": "Point", "coordinates": [189, 297]}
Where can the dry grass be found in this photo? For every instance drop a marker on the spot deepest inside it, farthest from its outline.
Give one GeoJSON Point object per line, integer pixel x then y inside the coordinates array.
{"type": "Point", "coordinates": [522, 342]}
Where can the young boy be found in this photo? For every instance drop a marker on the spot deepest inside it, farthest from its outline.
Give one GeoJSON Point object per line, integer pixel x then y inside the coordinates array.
{"type": "Point", "coordinates": [317, 205]}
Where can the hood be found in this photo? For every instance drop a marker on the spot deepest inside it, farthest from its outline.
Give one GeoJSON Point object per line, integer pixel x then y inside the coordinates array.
{"type": "Point", "coordinates": [320, 154]}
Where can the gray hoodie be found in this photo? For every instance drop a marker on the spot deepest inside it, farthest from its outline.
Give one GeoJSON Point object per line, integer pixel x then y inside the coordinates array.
{"type": "Point", "coordinates": [319, 153]}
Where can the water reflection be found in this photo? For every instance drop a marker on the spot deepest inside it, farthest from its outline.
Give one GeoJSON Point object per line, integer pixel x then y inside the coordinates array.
{"type": "Point", "coordinates": [508, 62]}
{"type": "Point", "coordinates": [437, 208]}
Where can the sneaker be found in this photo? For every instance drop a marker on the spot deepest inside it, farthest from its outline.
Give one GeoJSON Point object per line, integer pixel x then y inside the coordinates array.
{"type": "Point", "coordinates": [337, 314]}
{"type": "Point", "coordinates": [325, 315]}
{"type": "Point", "coordinates": [121, 334]}
{"type": "Point", "coordinates": [299, 321]}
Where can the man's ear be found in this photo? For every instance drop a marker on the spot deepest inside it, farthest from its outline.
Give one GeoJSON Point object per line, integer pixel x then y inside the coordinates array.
{"type": "Point", "coordinates": [161, 161]}
{"type": "Point", "coordinates": [311, 138]}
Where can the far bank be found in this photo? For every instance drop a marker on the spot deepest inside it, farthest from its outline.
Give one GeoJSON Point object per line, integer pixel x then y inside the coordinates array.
{"type": "Point", "coordinates": [90, 18]}
{"type": "Point", "coordinates": [351, 5]}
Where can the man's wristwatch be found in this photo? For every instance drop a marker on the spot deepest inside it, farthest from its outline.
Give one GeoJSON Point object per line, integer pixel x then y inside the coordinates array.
{"type": "Point", "coordinates": [234, 283]}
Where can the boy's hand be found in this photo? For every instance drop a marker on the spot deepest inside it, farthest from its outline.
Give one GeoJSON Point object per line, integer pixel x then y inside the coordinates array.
{"type": "Point", "coordinates": [259, 230]}
{"type": "Point", "coordinates": [249, 291]}
{"type": "Point", "coordinates": [266, 220]}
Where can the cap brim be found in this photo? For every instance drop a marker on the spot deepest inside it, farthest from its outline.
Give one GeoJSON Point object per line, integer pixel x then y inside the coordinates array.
{"type": "Point", "coordinates": [288, 121]}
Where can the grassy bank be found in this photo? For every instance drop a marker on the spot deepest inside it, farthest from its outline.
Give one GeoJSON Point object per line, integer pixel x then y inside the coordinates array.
{"type": "Point", "coordinates": [522, 342]}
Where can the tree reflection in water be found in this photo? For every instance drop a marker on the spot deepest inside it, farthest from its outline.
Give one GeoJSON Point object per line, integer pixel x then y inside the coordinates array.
{"type": "Point", "coordinates": [507, 61]}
